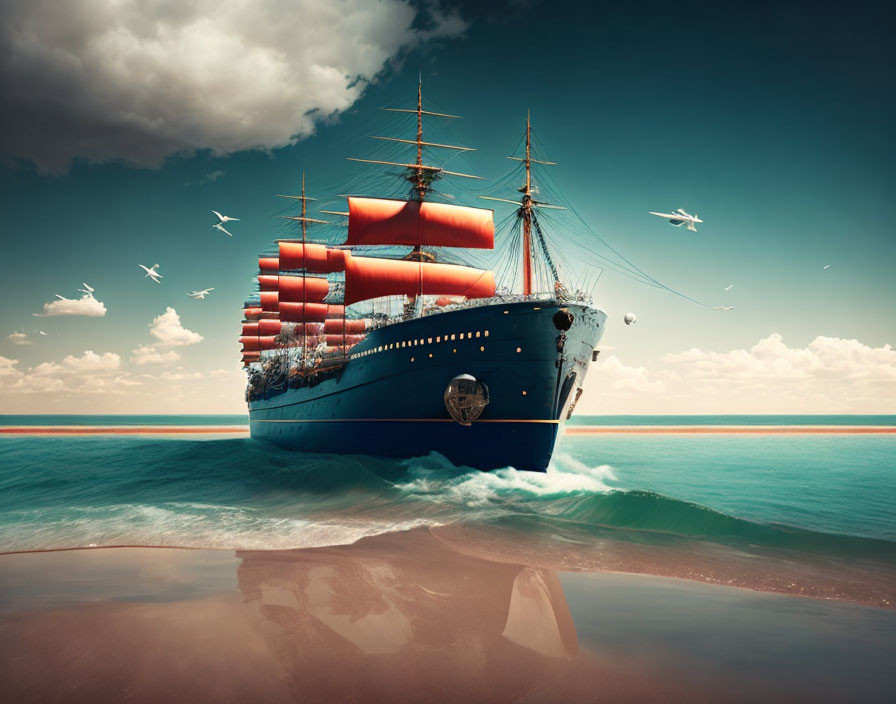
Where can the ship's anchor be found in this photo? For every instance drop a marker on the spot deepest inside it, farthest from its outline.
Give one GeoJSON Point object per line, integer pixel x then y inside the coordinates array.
{"type": "Point", "coordinates": [466, 398]}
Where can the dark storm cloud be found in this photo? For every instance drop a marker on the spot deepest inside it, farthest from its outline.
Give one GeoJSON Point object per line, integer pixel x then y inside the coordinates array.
{"type": "Point", "coordinates": [140, 81]}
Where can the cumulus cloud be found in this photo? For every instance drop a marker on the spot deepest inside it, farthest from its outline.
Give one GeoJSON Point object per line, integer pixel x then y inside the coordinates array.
{"type": "Point", "coordinates": [89, 373]}
{"type": "Point", "coordinates": [167, 329]}
{"type": "Point", "coordinates": [829, 375]}
{"type": "Point", "coordinates": [86, 305]}
{"type": "Point", "coordinates": [126, 79]}
{"type": "Point", "coordinates": [18, 338]}
{"type": "Point", "coordinates": [90, 361]}
{"type": "Point", "coordinates": [149, 354]}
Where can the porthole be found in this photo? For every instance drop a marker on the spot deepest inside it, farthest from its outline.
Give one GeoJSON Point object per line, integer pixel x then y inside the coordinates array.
{"type": "Point", "coordinates": [461, 336]}
{"type": "Point", "coordinates": [453, 336]}
{"type": "Point", "coordinates": [524, 391]}
{"type": "Point", "coordinates": [477, 333]}
{"type": "Point", "coordinates": [482, 349]}
{"type": "Point", "coordinates": [519, 349]}
{"type": "Point", "coordinates": [412, 359]}
{"type": "Point", "coordinates": [486, 333]}
{"type": "Point", "coordinates": [430, 355]}
{"type": "Point", "coordinates": [438, 339]}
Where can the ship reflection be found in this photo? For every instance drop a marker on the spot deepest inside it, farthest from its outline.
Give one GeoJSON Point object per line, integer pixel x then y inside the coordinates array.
{"type": "Point", "coordinates": [385, 615]}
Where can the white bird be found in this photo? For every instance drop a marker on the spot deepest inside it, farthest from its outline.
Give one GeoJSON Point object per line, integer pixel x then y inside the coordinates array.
{"type": "Point", "coordinates": [199, 295]}
{"type": "Point", "coordinates": [42, 333]}
{"type": "Point", "coordinates": [61, 298]}
{"type": "Point", "coordinates": [679, 218]}
{"type": "Point", "coordinates": [88, 289]}
{"type": "Point", "coordinates": [728, 288]}
{"type": "Point", "coordinates": [224, 218]}
{"type": "Point", "coordinates": [630, 318]}
{"type": "Point", "coordinates": [152, 273]}
{"type": "Point", "coordinates": [828, 266]}
{"type": "Point", "coordinates": [723, 307]}
{"type": "Point", "coordinates": [220, 227]}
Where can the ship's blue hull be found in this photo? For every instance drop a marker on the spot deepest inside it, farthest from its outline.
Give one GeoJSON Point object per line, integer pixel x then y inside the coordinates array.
{"type": "Point", "coordinates": [388, 399]}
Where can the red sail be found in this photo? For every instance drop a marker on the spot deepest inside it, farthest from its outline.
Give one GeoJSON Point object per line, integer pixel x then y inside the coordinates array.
{"type": "Point", "coordinates": [349, 340]}
{"type": "Point", "coordinates": [253, 344]}
{"type": "Point", "coordinates": [250, 329]}
{"type": "Point", "coordinates": [295, 288]}
{"type": "Point", "coordinates": [381, 221]}
{"type": "Point", "coordinates": [369, 277]}
{"type": "Point", "coordinates": [307, 312]}
{"type": "Point", "coordinates": [271, 264]}
{"type": "Point", "coordinates": [335, 326]}
{"type": "Point", "coordinates": [317, 258]}
{"type": "Point", "coordinates": [269, 301]}
{"type": "Point", "coordinates": [269, 327]}
{"type": "Point", "coordinates": [252, 313]}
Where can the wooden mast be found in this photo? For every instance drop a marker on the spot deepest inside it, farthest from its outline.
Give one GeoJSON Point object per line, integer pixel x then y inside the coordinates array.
{"type": "Point", "coordinates": [527, 212]}
{"type": "Point", "coordinates": [304, 219]}
{"type": "Point", "coordinates": [527, 204]}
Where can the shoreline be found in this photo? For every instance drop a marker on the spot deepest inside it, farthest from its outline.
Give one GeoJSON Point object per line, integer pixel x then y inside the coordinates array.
{"type": "Point", "coordinates": [63, 430]}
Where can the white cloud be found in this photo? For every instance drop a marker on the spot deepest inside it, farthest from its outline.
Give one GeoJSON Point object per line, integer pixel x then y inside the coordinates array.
{"type": "Point", "coordinates": [126, 79]}
{"type": "Point", "coordinates": [86, 305]}
{"type": "Point", "coordinates": [90, 361]}
{"type": "Point", "coordinates": [829, 375]}
{"type": "Point", "coordinates": [167, 329]}
{"type": "Point", "coordinates": [149, 354]}
{"type": "Point", "coordinates": [8, 366]}
{"type": "Point", "coordinates": [18, 338]}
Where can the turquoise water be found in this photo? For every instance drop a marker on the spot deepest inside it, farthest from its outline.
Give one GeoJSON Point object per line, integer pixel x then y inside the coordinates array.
{"type": "Point", "coordinates": [829, 494]}
{"type": "Point", "coordinates": [660, 420]}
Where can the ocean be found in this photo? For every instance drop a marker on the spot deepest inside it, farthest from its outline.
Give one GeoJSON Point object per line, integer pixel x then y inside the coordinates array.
{"type": "Point", "coordinates": [644, 565]}
{"type": "Point", "coordinates": [820, 495]}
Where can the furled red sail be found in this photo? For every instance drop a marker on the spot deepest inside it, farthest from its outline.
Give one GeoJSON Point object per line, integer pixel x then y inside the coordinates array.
{"type": "Point", "coordinates": [336, 325]}
{"type": "Point", "coordinates": [250, 329]}
{"type": "Point", "coordinates": [317, 258]}
{"type": "Point", "coordinates": [252, 344]}
{"type": "Point", "coordinates": [271, 264]}
{"type": "Point", "coordinates": [269, 301]}
{"type": "Point", "coordinates": [369, 277]}
{"type": "Point", "coordinates": [382, 221]}
{"type": "Point", "coordinates": [295, 288]}
{"type": "Point", "coordinates": [252, 312]}
{"type": "Point", "coordinates": [292, 312]}
{"type": "Point", "coordinates": [269, 327]}
{"type": "Point", "coordinates": [337, 340]}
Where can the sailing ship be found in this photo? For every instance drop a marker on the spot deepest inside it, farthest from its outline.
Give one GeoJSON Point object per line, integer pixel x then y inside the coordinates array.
{"type": "Point", "coordinates": [449, 364]}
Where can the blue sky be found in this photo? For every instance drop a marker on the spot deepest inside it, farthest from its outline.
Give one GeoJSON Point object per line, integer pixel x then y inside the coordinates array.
{"type": "Point", "coordinates": [776, 124]}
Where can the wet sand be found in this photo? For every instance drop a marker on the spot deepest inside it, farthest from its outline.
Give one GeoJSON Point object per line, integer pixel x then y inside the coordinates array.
{"type": "Point", "coordinates": [428, 616]}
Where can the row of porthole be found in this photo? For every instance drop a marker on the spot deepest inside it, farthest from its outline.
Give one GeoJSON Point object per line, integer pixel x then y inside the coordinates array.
{"type": "Point", "coordinates": [423, 341]}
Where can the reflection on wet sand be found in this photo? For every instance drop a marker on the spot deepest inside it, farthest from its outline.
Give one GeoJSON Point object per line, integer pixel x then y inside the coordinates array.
{"type": "Point", "coordinates": [397, 616]}
{"type": "Point", "coordinates": [406, 617]}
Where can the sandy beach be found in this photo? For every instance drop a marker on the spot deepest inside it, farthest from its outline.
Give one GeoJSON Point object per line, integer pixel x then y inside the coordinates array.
{"type": "Point", "coordinates": [407, 617]}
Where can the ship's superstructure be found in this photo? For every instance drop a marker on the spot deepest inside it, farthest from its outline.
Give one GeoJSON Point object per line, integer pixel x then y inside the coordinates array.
{"type": "Point", "coordinates": [446, 362]}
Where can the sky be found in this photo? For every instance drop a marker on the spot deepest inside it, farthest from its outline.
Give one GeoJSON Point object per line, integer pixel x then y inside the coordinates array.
{"type": "Point", "coordinates": [125, 123]}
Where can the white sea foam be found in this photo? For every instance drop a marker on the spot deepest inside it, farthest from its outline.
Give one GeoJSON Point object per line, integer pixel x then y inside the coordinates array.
{"type": "Point", "coordinates": [191, 525]}
{"type": "Point", "coordinates": [565, 475]}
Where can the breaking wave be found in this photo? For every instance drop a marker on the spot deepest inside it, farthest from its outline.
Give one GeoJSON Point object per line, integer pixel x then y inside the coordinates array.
{"type": "Point", "coordinates": [236, 493]}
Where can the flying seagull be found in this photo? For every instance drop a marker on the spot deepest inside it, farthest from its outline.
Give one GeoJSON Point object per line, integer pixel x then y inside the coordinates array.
{"type": "Point", "coordinates": [88, 289]}
{"type": "Point", "coordinates": [220, 227]}
{"type": "Point", "coordinates": [152, 273]}
{"type": "Point", "coordinates": [42, 333]}
{"type": "Point", "coordinates": [224, 218]}
{"type": "Point", "coordinates": [679, 218]}
{"type": "Point", "coordinates": [827, 266]}
{"type": "Point", "coordinates": [728, 288]}
{"type": "Point", "coordinates": [723, 307]}
{"type": "Point", "coordinates": [199, 295]}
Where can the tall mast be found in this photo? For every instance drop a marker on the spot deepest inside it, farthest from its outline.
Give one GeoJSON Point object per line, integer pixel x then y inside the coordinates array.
{"type": "Point", "coordinates": [526, 212]}
{"type": "Point", "coordinates": [304, 219]}
{"type": "Point", "coordinates": [421, 187]}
